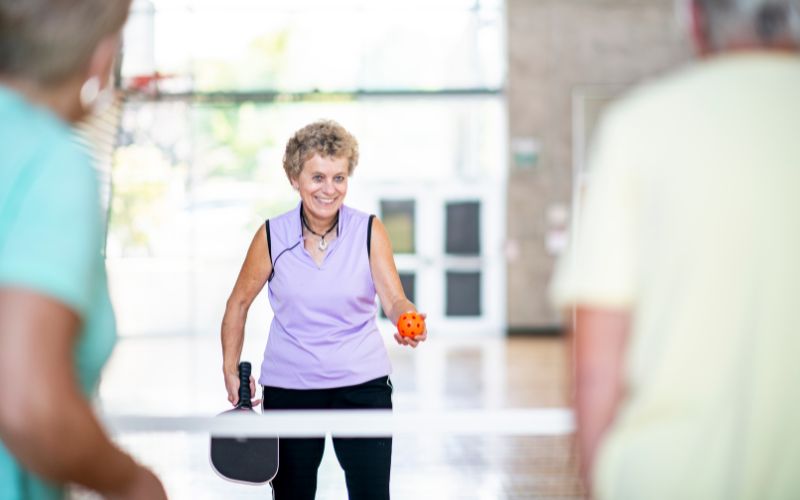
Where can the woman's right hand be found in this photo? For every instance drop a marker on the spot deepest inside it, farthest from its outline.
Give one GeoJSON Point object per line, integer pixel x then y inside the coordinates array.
{"type": "Point", "coordinates": [232, 386]}
{"type": "Point", "coordinates": [143, 486]}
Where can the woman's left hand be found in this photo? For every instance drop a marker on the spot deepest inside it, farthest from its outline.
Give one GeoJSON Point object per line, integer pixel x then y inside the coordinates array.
{"type": "Point", "coordinates": [413, 342]}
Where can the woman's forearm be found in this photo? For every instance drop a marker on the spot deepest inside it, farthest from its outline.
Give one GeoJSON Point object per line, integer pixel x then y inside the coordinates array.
{"type": "Point", "coordinates": [48, 424]}
{"type": "Point", "coordinates": [232, 335]}
{"type": "Point", "coordinates": [597, 399]}
{"type": "Point", "coordinates": [253, 276]}
{"type": "Point", "coordinates": [599, 340]}
{"type": "Point", "coordinates": [56, 435]}
{"type": "Point", "coordinates": [399, 307]}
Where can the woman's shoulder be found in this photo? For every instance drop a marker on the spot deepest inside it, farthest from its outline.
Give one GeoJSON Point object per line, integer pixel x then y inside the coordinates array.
{"type": "Point", "coordinates": [44, 158]}
{"type": "Point", "coordinates": [286, 216]}
{"type": "Point", "coordinates": [33, 127]}
{"type": "Point", "coordinates": [351, 213]}
{"type": "Point", "coordinates": [285, 226]}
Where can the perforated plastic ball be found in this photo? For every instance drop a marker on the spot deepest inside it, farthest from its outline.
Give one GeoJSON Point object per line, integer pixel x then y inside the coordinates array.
{"type": "Point", "coordinates": [410, 325]}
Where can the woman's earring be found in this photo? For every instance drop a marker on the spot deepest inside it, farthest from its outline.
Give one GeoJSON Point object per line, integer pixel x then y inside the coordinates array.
{"type": "Point", "coordinates": [90, 90]}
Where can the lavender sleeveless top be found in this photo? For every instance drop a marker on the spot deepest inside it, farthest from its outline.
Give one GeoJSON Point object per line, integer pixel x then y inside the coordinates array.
{"type": "Point", "coordinates": [324, 332]}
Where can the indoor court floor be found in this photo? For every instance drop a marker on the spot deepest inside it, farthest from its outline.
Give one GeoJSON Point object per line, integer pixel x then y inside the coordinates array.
{"type": "Point", "coordinates": [180, 376]}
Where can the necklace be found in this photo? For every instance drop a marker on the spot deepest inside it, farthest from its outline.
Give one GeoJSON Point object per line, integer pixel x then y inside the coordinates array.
{"type": "Point", "coordinates": [322, 245]}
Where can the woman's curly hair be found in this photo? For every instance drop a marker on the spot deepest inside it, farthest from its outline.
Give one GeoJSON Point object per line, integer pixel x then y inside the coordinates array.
{"type": "Point", "coordinates": [325, 138]}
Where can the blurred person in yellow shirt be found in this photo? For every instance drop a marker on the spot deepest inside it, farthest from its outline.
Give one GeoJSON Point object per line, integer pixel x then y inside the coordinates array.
{"type": "Point", "coordinates": [684, 272]}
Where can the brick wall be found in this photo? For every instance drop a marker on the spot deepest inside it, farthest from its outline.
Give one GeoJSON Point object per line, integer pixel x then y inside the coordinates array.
{"type": "Point", "coordinates": [556, 47]}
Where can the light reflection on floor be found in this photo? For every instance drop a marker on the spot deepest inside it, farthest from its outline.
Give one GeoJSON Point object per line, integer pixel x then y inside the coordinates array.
{"type": "Point", "coordinates": [182, 375]}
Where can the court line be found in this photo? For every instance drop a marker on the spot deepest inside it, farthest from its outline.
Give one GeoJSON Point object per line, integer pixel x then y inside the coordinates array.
{"type": "Point", "coordinates": [524, 422]}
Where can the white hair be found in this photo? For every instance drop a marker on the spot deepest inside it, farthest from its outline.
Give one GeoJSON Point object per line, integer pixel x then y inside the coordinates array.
{"type": "Point", "coordinates": [49, 40]}
{"type": "Point", "coordinates": [764, 22]}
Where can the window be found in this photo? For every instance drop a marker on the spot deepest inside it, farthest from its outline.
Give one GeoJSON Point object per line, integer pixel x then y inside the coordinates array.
{"type": "Point", "coordinates": [206, 118]}
{"type": "Point", "coordinates": [463, 228]}
{"type": "Point", "coordinates": [408, 280]}
{"type": "Point", "coordinates": [463, 293]}
{"type": "Point", "coordinates": [398, 217]}
{"type": "Point", "coordinates": [301, 46]}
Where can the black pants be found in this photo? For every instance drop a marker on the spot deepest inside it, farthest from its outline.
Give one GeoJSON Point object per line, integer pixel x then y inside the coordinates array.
{"type": "Point", "coordinates": [366, 461]}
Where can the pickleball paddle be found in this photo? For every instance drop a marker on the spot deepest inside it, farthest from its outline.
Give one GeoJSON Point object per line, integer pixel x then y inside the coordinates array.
{"type": "Point", "coordinates": [251, 460]}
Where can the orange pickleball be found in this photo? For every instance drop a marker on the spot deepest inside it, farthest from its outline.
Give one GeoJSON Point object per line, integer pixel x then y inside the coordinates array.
{"type": "Point", "coordinates": [410, 325]}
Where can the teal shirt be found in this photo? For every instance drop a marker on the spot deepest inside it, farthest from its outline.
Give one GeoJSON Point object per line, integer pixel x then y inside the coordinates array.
{"type": "Point", "coordinates": [51, 237]}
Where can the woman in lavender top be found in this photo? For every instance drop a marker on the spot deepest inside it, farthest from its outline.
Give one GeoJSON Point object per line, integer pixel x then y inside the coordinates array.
{"type": "Point", "coordinates": [324, 262]}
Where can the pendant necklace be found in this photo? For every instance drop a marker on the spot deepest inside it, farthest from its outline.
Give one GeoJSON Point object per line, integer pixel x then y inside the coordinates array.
{"type": "Point", "coordinates": [322, 245]}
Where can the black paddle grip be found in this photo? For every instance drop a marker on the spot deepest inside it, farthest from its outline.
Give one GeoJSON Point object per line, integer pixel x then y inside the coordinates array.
{"type": "Point", "coordinates": [244, 385]}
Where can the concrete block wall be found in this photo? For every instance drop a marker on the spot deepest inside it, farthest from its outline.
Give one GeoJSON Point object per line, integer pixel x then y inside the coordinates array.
{"type": "Point", "coordinates": [554, 48]}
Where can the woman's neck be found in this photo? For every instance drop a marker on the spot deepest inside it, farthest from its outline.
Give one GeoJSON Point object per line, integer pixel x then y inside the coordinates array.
{"type": "Point", "coordinates": [61, 99]}
{"type": "Point", "coordinates": [319, 225]}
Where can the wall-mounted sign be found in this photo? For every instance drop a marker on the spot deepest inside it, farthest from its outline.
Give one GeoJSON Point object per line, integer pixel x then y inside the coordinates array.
{"type": "Point", "coordinates": [525, 152]}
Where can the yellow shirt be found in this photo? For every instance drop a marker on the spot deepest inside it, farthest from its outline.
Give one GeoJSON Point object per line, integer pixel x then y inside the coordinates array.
{"type": "Point", "coordinates": [692, 222]}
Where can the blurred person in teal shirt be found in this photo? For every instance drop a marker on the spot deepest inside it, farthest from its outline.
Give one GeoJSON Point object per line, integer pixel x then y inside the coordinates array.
{"type": "Point", "coordinates": [57, 327]}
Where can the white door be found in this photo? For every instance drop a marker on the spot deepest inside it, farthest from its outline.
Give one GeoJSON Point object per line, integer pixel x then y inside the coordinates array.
{"type": "Point", "coordinates": [448, 247]}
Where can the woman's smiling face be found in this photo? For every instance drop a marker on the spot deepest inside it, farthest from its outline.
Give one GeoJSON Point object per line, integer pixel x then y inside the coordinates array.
{"type": "Point", "coordinates": [322, 185]}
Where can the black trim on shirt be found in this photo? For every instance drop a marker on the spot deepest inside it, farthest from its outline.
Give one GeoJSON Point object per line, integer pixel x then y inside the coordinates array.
{"type": "Point", "coordinates": [269, 241]}
{"type": "Point", "coordinates": [369, 235]}
{"type": "Point", "coordinates": [275, 260]}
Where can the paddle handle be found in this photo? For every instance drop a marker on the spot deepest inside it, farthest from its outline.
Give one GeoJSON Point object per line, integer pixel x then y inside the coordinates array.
{"type": "Point", "coordinates": [244, 385]}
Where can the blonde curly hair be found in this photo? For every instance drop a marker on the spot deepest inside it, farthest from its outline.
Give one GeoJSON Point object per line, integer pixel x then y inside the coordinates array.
{"type": "Point", "coordinates": [323, 137]}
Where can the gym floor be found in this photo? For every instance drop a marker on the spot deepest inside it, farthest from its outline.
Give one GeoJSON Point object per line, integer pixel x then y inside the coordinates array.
{"type": "Point", "coordinates": [182, 376]}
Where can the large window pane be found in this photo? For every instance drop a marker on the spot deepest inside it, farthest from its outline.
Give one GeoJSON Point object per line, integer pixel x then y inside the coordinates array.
{"type": "Point", "coordinates": [180, 163]}
{"type": "Point", "coordinates": [193, 182]}
{"type": "Point", "coordinates": [308, 46]}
